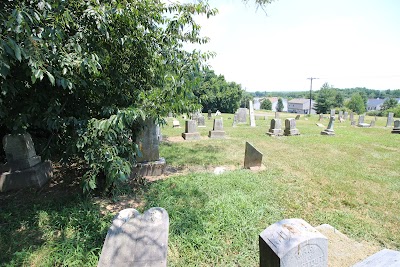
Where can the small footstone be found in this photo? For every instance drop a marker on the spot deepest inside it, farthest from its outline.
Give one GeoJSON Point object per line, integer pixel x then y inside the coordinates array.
{"type": "Point", "coordinates": [384, 258]}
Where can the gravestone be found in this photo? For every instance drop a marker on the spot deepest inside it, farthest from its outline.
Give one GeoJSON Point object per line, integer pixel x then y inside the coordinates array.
{"type": "Point", "coordinates": [218, 130]}
{"type": "Point", "coordinates": [201, 121]}
{"type": "Point", "coordinates": [290, 127]}
{"type": "Point", "coordinates": [136, 239]}
{"type": "Point", "coordinates": [346, 115]}
{"type": "Point", "coordinates": [297, 117]}
{"type": "Point", "coordinates": [170, 115]}
{"type": "Point", "coordinates": [277, 115]}
{"type": "Point", "coordinates": [389, 119]}
{"type": "Point", "coordinates": [340, 115]}
{"type": "Point", "coordinates": [396, 129]}
{"type": "Point", "coordinates": [23, 168]}
{"type": "Point", "coordinates": [372, 124]}
{"type": "Point", "coordinates": [329, 130]}
{"type": "Point", "coordinates": [383, 258]}
{"type": "Point", "coordinates": [218, 113]}
{"type": "Point", "coordinates": [252, 119]}
{"type": "Point", "coordinates": [149, 163]}
{"type": "Point", "coordinates": [353, 123]}
{"type": "Point", "coordinates": [292, 243]}
{"type": "Point", "coordinates": [252, 157]}
{"type": "Point", "coordinates": [275, 128]}
{"type": "Point", "coordinates": [361, 122]}
{"type": "Point", "coordinates": [242, 115]}
{"type": "Point", "coordinates": [235, 119]}
{"type": "Point", "coordinates": [190, 131]}
{"type": "Point", "coordinates": [321, 117]}
{"type": "Point", "coordinates": [175, 124]}
{"type": "Point", "coordinates": [332, 112]}
{"type": "Point", "coordinates": [209, 114]}
{"type": "Point", "coordinates": [352, 116]}
{"type": "Point", "coordinates": [194, 116]}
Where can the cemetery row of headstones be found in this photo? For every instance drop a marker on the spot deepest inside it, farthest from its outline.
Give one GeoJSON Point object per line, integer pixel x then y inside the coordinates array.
{"type": "Point", "coordinates": [191, 132]}
{"type": "Point", "coordinates": [290, 128]}
{"type": "Point", "coordinates": [140, 240]}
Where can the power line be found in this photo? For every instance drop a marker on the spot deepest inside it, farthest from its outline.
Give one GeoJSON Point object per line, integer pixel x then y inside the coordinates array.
{"type": "Point", "coordinates": [311, 79]}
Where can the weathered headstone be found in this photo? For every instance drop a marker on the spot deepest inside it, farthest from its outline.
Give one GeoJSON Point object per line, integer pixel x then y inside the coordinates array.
{"type": "Point", "coordinates": [353, 123]}
{"type": "Point", "coordinates": [190, 131]}
{"type": "Point", "coordinates": [332, 112]}
{"type": "Point", "coordinates": [372, 124]}
{"type": "Point", "coordinates": [252, 119]}
{"type": "Point", "coordinates": [136, 240]}
{"type": "Point", "coordinates": [218, 129]}
{"type": "Point", "coordinates": [297, 117]}
{"type": "Point", "coordinates": [396, 129]}
{"type": "Point", "coordinates": [235, 119]}
{"type": "Point", "coordinates": [346, 115]}
{"type": "Point", "coordinates": [242, 115]}
{"type": "Point", "coordinates": [209, 114]}
{"type": "Point", "coordinates": [290, 127]}
{"type": "Point", "coordinates": [201, 121]}
{"type": "Point", "coordinates": [340, 115]}
{"type": "Point", "coordinates": [275, 127]}
{"type": "Point", "coordinates": [352, 116]}
{"type": "Point", "coordinates": [175, 124]}
{"type": "Point", "coordinates": [292, 243]}
{"type": "Point", "coordinates": [252, 157]}
{"type": "Point", "coordinates": [277, 115]}
{"type": "Point", "coordinates": [361, 122]}
{"type": "Point", "coordinates": [329, 130]}
{"type": "Point", "coordinates": [389, 119]}
{"type": "Point", "coordinates": [149, 163]}
{"type": "Point", "coordinates": [383, 258]}
{"type": "Point", "coordinates": [321, 117]}
{"type": "Point", "coordinates": [23, 168]}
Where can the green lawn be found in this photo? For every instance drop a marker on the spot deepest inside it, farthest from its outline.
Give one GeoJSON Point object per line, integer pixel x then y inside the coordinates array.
{"type": "Point", "coordinates": [350, 180]}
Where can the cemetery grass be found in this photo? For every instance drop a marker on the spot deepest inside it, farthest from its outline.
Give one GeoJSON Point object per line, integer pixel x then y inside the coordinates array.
{"type": "Point", "coordinates": [350, 181]}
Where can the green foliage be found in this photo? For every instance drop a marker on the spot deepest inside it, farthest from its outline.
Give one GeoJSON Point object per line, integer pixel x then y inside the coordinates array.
{"type": "Point", "coordinates": [279, 105]}
{"type": "Point", "coordinates": [389, 103]}
{"type": "Point", "coordinates": [73, 72]}
{"type": "Point", "coordinates": [356, 103]}
{"type": "Point", "coordinates": [339, 100]}
{"type": "Point", "coordinates": [326, 99]}
{"type": "Point", "coordinates": [215, 93]}
{"type": "Point", "coordinates": [266, 104]}
{"type": "Point", "coordinates": [244, 101]}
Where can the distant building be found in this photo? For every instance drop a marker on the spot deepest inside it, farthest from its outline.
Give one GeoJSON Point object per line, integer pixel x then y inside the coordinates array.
{"type": "Point", "coordinates": [301, 106]}
{"type": "Point", "coordinates": [376, 104]}
{"type": "Point", "coordinates": [274, 101]}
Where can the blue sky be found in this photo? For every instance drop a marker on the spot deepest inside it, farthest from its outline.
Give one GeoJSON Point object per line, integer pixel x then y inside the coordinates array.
{"type": "Point", "coordinates": [347, 43]}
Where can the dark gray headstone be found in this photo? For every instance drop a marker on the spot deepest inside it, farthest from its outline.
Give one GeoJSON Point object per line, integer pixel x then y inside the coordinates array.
{"type": "Point", "coordinates": [396, 129]}
{"type": "Point", "coordinates": [383, 258]}
{"type": "Point", "coordinates": [292, 243]}
{"type": "Point", "coordinates": [290, 127]}
{"type": "Point", "coordinates": [137, 240]}
{"type": "Point", "coordinates": [209, 114]}
{"type": "Point", "coordinates": [329, 130]}
{"type": "Point", "coordinates": [242, 115]}
{"type": "Point", "coordinates": [275, 127]}
{"type": "Point", "coordinates": [20, 151]}
{"type": "Point", "coordinates": [252, 157]}
{"type": "Point", "coordinates": [297, 117]}
{"type": "Point", "coordinates": [332, 112]}
{"type": "Point", "coordinates": [389, 119]}
{"type": "Point", "coordinates": [148, 142]}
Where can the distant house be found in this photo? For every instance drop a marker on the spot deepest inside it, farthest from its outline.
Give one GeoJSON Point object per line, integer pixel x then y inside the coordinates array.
{"type": "Point", "coordinates": [301, 106]}
{"type": "Point", "coordinates": [274, 101]}
{"type": "Point", "coordinates": [376, 104]}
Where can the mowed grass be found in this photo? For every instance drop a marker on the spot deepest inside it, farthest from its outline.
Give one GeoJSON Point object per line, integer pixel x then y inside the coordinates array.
{"type": "Point", "coordinates": [350, 180]}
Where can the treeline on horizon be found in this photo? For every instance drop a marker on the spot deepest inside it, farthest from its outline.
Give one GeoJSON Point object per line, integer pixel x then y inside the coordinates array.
{"type": "Point", "coordinates": [346, 93]}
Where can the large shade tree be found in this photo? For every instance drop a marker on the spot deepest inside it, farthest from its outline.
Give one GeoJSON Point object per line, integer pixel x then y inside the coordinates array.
{"type": "Point", "coordinates": [84, 74]}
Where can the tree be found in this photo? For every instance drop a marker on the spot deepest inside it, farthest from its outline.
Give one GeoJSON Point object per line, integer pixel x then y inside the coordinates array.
{"type": "Point", "coordinates": [389, 103]}
{"type": "Point", "coordinates": [246, 97]}
{"type": "Point", "coordinates": [84, 76]}
{"type": "Point", "coordinates": [266, 104]}
{"type": "Point", "coordinates": [356, 103]}
{"type": "Point", "coordinates": [339, 100]}
{"type": "Point", "coordinates": [279, 106]}
{"type": "Point", "coordinates": [325, 99]}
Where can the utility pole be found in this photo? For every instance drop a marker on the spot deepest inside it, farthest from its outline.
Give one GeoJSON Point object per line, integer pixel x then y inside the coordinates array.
{"type": "Point", "coordinates": [311, 78]}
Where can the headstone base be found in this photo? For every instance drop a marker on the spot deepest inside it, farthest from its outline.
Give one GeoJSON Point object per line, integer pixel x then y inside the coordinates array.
{"type": "Point", "coordinates": [149, 168]}
{"type": "Point", "coordinates": [384, 258]}
{"type": "Point", "coordinates": [216, 134]}
{"type": "Point", "coordinates": [292, 132]}
{"type": "Point", "coordinates": [35, 176]}
{"type": "Point", "coordinates": [191, 136]}
{"type": "Point", "coordinates": [396, 131]}
{"type": "Point", "coordinates": [364, 125]}
{"type": "Point", "coordinates": [275, 132]}
{"type": "Point", "coordinates": [327, 132]}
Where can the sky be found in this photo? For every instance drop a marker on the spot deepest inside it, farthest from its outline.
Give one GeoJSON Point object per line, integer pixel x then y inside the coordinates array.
{"type": "Point", "coordinates": [346, 43]}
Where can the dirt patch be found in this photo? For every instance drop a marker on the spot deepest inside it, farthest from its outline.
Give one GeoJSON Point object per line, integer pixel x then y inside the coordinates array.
{"type": "Point", "coordinates": [344, 251]}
